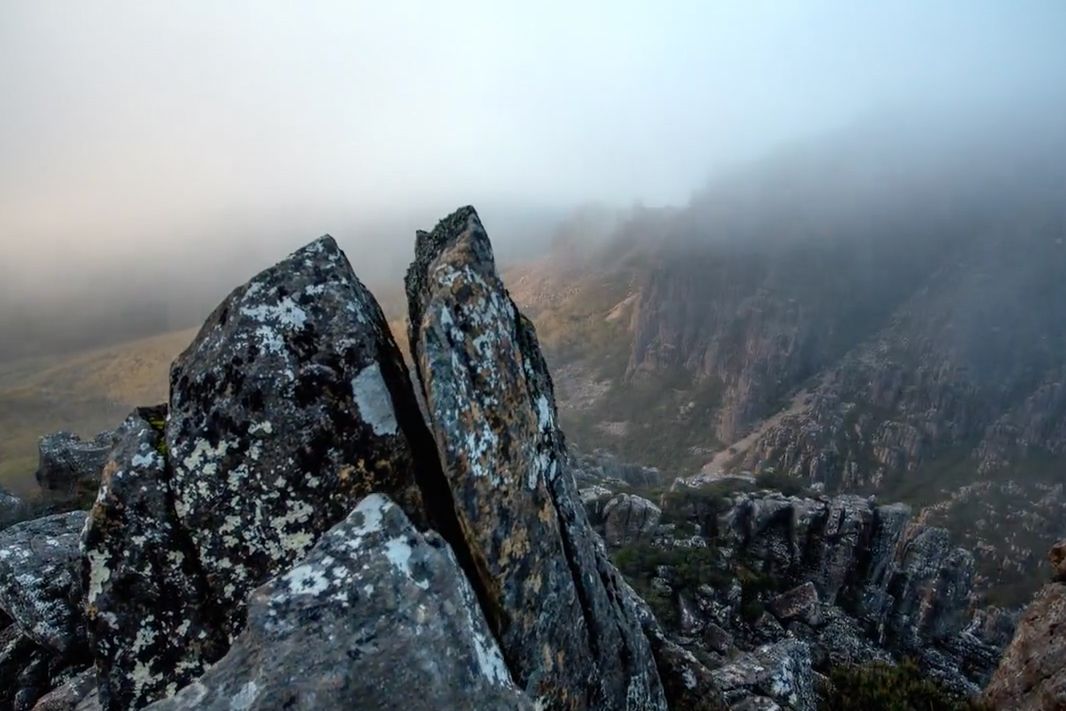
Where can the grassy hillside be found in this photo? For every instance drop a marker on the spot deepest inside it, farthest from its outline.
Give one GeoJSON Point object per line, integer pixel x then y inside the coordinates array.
{"type": "Point", "coordinates": [84, 393]}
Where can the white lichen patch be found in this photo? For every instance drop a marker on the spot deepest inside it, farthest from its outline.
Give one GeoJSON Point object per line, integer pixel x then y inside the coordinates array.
{"type": "Point", "coordinates": [204, 457]}
{"type": "Point", "coordinates": [99, 573]}
{"type": "Point", "coordinates": [264, 427]}
{"type": "Point", "coordinates": [373, 400]}
{"type": "Point", "coordinates": [305, 580]}
{"type": "Point", "coordinates": [245, 697]}
{"type": "Point", "coordinates": [399, 552]}
{"type": "Point", "coordinates": [286, 313]}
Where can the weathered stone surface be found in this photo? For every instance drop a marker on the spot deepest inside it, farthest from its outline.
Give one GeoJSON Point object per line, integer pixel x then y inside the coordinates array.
{"type": "Point", "coordinates": [779, 673]}
{"type": "Point", "coordinates": [629, 519]}
{"type": "Point", "coordinates": [1032, 673]}
{"type": "Point", "coordinates": [291, 404]}
{"type": "Point", "coordinates": [152, 627]}
{"type": "Point", "coordinates": [931, 589]}
{"type": "Point", "coordinates": [376, 616]}
{"type": "Point", "coordinates": [570, 637]}
{"type": "Point", "coordinates": [799, 603]}
{"type": "Point", "coordinates": [16, 650]}
{"type": "Point", "coordinates": [69, 467]}
{"type": "Point", "coordinates": [12, 509]}
{"type": "Point", "coordinates": [40, 581]}
{"type": "Point", "coordinates": [76, 694]}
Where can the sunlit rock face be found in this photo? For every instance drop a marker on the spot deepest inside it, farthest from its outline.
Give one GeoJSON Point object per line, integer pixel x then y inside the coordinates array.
{"type": "Point", "coordinates": [290, 405]}
{"type": "Point", "coordinates": [377, 615]}
{"type": "Point", "coordinates": [570, 636]}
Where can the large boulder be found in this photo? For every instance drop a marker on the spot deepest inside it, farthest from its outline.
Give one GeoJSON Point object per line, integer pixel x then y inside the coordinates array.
{"type": "Point", "coordinates": [376, 616]}
{"type": "Point", "coordinates": [292, 403]}
{"type": "Point", "coordinates": [152, 626]}
{"type": "Point", "coordinates": [799, 603]}
{"type": "Point", "coordinates": [40, 581]}
{"type": "Point", "coordinates": [629, 519]}
{"type": "Point", "coordinates": [69, 467]}
{"type": "Point", "coordinates": [550, 594]}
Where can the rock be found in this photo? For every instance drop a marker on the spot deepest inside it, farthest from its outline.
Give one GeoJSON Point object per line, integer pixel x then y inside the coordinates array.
{"type": "Point", "coordinates": [687, 683]}
{"type": "Point", "coordinates": [629, 519]}
{"type": "Point", "coordinates": [152, 625]}
{"type": "Point", "coordinates": [40, 581]}
{"type": "Point", "coordinates": [594, 498]}
{"type": "Point", "coordinates": [376, 616]}
{"type": "Point", "coordinates": [291, 404]}
{"type": "Point", "coordinates": [1057, 556]}
{"type": "Point", "coordinates": [76, 694]}
{"type": "Point", "coordinates": [69, 467]}
{"type": "Point", "coordinates": [549, 592]}
{"type": "Point", "coordinates": [931, 589]}
{"type": "Point", "coordinates": [12, 509]}
{"type": "Point", "coordinates": [779, 673]}
{"type": "Point", "coordinates": [1032, 673]}
{"type": "Point", "coordinates": [799, 603]}
{"type": "Point", "coordinates": [717, 639]}
{"type": "Point", "coordinates": [847, 519]}
{"type": "Point", "coordinates": [16, 650]}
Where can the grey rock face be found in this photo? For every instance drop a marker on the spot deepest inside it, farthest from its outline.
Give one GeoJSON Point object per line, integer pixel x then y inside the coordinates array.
{"type": "Point", "coordinates": [40, 581]}
{"type": "Point", "coordinates": [69, 467]}
{"type": "Point", "coordinates": [773, 674]}
{"type": "Point", "coordinates": [931, 589]}
{"type": "Point", "coordinates": [12, 509]}
{"type": "Point", "coordinates": [628, 519]}
{"type": "Point", "coordinates": [290, 405]}
{"type": "Point", "coordinates": [403, 629]}
{"type": "Point", "coordinates": [570, 638]}
{"type": "Point", "coordinates": [152, 627]}
{"type": "Point", "coordinates": [76, 694]}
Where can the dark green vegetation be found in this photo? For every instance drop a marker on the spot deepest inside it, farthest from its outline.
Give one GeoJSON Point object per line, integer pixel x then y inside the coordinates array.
{"type": "Point", "coordinates": [883, 687]}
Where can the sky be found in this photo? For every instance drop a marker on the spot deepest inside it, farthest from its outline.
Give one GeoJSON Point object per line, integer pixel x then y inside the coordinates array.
{"type": "Point", "coordinates": [140, 139]}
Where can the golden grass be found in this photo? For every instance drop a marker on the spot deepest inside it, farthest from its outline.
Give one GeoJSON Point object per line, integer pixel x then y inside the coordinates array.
{"type": "Point", "coordinates": [84, 393]}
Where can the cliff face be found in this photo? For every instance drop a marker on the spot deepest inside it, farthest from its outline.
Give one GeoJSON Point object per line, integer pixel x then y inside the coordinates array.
{"type": "Point", "coordinates": [861, 325]}
{"type": "Point", "coordinates": [1032, 674]}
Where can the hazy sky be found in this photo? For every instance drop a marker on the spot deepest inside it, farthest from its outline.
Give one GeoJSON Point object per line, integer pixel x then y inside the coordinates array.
{"type": "Point", "coordinates": [145, 131]}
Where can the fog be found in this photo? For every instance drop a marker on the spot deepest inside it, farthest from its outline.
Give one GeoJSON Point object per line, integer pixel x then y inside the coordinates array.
{"type": "Point", "coordinates": [153, 155]}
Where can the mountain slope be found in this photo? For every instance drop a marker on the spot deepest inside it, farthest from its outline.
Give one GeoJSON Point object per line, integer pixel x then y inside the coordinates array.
{"type": "Point", "coordinates": [868, 320]}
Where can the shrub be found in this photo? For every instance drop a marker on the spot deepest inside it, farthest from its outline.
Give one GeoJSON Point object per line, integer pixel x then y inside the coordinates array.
{"type": "Point", "coordinates": [886, 687]}
{"type": "Point", "coordinates": [779, 481]}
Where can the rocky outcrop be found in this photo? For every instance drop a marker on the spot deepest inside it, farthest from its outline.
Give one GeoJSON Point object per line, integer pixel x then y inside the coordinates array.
{"type": "Point", "coordinates": [376, 616]}
{"type": "Point", "coordinates": [1032, 673]}
{"type": "Point", "coordinates": [152, 625]}
{"type": "Point", "coordinates": [69, 467]}
{"type": "Point", "coordinates": [290, 405]}
{"type": "Point", "coordinates": [772, 676]}
{"type": "Point", "coordinates": [628, 519]}
{"type": "Point", "coordinates": [856, 582]}
{"type": "Point", "coordinates": [570, 638]}
{"type": "Point", "coordinates": [40, 581]}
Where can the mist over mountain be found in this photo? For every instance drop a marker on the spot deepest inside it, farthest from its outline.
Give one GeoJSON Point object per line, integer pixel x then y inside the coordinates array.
{"type": "Point", "coordinates": [879, 311]}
